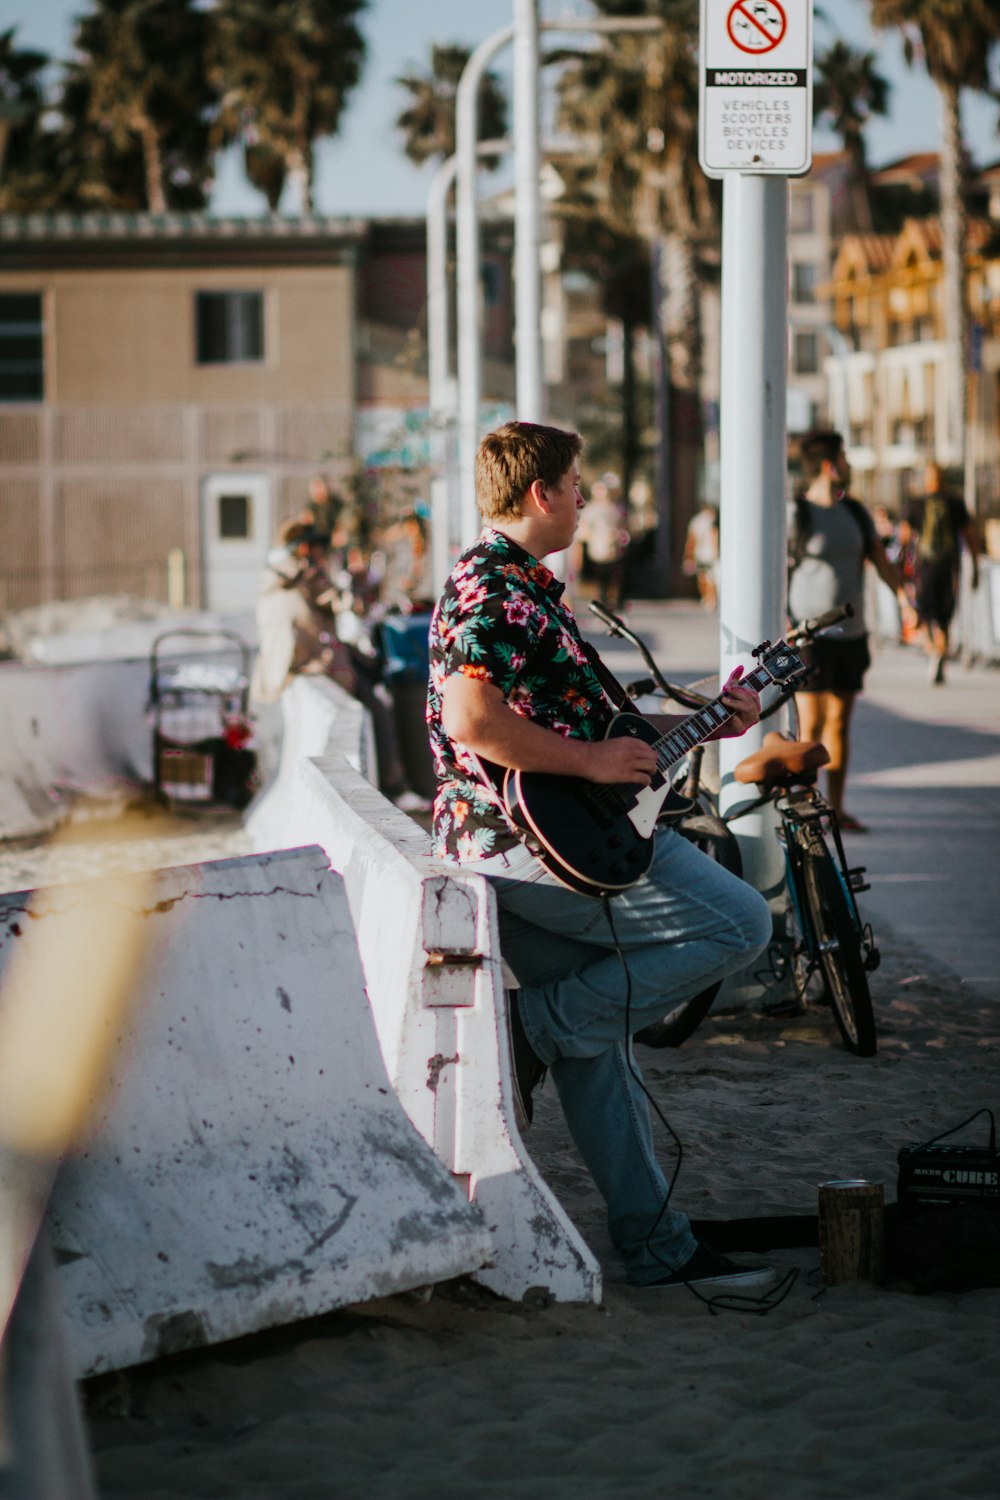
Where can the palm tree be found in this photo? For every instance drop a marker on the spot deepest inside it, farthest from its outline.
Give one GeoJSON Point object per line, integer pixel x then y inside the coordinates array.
{"type": "Point", "coordinates": [138, 84]}
{"type": "Point", "coordinates": [21, 106]}
{"type": "Point", "coordinates": [848, 90]}
{"type": "Point", "coordinates": [636, 99]}
{"type": "Point", "coordinates": [955, 39]}
{"type": "Point", "coordinates": [283, 70]}
{"type": "Point", "coordinates": [428, 122]}
{"type": "Point", "coordinates": [634, 102]}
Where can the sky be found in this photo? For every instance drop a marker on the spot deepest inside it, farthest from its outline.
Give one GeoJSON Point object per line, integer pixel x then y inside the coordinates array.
{"type": "Point", "coordinates": [363, 171]}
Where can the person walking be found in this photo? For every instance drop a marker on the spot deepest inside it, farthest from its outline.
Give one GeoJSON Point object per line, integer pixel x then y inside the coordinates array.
{"type": "Point", "coordinates": [603, 536]}
{"type": "Point", "coordinates": [831, 537]}
{"type": "Point", "coordinates": [512, 684]}
{"type": "Point", "coordinates": [939, 525]}
{"type": "Point", "coordinates": [701, 554]}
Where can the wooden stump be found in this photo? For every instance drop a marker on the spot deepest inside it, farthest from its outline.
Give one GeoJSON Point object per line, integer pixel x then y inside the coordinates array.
{"type": "Point", "coordinates": [850, 1231]}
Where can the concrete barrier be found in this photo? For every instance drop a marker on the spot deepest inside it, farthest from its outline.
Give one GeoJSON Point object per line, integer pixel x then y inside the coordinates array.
{"type": "Point", "coordinates": [68, 729]}
{"type": "Point", "coordinates": [252, 1165]}
{"type": "Point", "coordinates": [430, 949]}
{"type": "Point", "coordinates": [79, 726]}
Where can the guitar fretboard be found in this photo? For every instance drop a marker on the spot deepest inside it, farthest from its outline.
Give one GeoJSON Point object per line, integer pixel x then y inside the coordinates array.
{"type": "Point", "coordinates": [691, 731]}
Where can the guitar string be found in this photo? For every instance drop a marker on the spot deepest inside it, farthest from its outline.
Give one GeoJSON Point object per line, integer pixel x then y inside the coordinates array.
{"type": "Point", "coordinates": [611, 798]}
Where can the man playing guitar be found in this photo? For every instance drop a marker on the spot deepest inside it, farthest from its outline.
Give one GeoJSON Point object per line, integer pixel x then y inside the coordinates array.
{"type": "Point", "coordinates": [511, 684]}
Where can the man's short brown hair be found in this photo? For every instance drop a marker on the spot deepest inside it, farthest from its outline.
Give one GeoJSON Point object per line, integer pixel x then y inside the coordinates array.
{"type": "Point", "coordinates": [510, 459]}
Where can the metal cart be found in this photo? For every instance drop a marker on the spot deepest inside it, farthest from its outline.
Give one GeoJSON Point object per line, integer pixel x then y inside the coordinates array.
{"type": "Point", "coordinates": [202, 732]}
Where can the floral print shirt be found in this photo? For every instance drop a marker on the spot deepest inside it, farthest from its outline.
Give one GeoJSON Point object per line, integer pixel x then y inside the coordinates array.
{"type": "Point", "coordinates": [501, 618]}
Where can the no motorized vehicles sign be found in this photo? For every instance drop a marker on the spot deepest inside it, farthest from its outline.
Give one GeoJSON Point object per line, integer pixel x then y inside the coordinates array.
{"type": "Point", "coordinates": [755, 67]}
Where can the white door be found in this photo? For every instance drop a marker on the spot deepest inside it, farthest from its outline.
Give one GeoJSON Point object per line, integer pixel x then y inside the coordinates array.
{"type": "Point", "coordinates": [236, 535]}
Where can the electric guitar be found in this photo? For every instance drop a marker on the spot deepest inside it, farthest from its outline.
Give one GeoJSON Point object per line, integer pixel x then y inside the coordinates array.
{"type": "Point", "coordinates": [598, 838]}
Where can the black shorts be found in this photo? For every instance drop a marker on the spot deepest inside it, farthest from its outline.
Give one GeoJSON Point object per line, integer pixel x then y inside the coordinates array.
{"type": "Point", "coordinates": [840, 666]}
{"type": "Point", "coordinates": [935, 594]}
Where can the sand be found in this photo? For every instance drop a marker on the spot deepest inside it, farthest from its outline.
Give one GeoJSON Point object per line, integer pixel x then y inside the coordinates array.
{"type": "Point", "coordinates": [850, 1392]}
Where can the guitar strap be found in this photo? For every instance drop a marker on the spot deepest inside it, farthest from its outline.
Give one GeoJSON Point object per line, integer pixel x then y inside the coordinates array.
{"type": "Point", "coordinates": [609, 682]}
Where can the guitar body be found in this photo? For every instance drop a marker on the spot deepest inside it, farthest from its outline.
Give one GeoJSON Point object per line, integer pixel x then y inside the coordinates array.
{"type": "Point", "coordinates": [598, 839]}
{"type": "Point", "coordinates": [594, 838]}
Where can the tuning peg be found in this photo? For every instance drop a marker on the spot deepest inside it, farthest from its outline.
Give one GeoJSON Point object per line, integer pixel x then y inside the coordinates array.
{"type": "Point", "coordinates": [759, 650]}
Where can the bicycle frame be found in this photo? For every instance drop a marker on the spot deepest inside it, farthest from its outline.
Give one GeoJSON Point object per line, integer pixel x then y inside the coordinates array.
{"type": "Point", "coordinates": [809, 811]}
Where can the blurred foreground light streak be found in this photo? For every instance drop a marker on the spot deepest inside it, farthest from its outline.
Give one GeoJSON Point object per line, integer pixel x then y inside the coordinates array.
{"type": "Point", "coordinates": [78, 960]}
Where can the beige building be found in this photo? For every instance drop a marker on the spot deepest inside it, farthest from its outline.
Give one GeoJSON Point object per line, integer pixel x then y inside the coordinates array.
{"type": "Point", "coordinates": [168, 386]}
{"type": "Point", "coordinates": [888, 386]}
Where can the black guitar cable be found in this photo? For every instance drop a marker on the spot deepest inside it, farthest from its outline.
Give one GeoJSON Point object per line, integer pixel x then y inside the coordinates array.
{"type": "Point", "coordinates": [725, 1301]}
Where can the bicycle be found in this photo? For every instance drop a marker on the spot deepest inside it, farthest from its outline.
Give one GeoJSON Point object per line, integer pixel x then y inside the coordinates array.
{"type": "Point", "coordinates": [825, 948]}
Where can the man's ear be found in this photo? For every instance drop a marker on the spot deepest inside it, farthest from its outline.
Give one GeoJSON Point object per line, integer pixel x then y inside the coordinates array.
{"type": "Point", "coordinates": [536, 496]}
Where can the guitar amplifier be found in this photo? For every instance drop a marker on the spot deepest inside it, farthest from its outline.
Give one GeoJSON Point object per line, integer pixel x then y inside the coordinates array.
{"type": "Point", "coordinates": [939, 1176]}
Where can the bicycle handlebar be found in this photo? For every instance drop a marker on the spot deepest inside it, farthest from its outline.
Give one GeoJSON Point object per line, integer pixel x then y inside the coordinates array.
{"type": "Point", "coordinates": [618, 627]}
{"type": "Point", "coordinates": [798, 635]}
{"type": "Point", "coordinates": [802, 634]}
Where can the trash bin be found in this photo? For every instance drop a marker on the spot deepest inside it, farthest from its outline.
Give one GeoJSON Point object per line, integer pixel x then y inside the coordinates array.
{"type": "Point", "coordinates": [406, 662]}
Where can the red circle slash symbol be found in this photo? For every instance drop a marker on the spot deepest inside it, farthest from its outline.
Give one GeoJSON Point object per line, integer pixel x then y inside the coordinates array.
{"type": "Point", "coordinates": [756, 25]}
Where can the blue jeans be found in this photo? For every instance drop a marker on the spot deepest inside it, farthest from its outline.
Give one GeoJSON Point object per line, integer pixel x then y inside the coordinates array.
{"type": "Point", "coordinates": [685, 925]}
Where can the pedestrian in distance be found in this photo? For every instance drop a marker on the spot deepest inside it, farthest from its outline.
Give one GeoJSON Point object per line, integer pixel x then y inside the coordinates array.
{"type": "Point", "coordinates": [512, 684]}
{"type": "Point", "coordinates": [297, 615]}
{"type": "Point", "coordinates": [939, 525]}
{"type": "Point", "coordinates": [603, 536]}
{"type": "Point", "coordinates": [831, 537]}
{"type": "Point", "coordinates": [701, 554]}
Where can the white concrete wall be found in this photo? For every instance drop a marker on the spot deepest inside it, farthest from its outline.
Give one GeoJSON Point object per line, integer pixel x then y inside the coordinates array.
{"type": "Point", "coordinates": [430, 949]}
{"type": "Point", "coordinates": [66, 729]}
{"type": "Point", "coordinates": [251, 1164]}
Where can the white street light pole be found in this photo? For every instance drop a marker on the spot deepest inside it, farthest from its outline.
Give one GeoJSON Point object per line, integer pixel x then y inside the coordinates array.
{"type": "Point", "coordinates": [439, 399]}
{"type": "Point", "coordinates": [440, 380]}
{"type": "Point", "coordinates": [530, 382]}
{"type": "Point", "coordinates": [467, 236]}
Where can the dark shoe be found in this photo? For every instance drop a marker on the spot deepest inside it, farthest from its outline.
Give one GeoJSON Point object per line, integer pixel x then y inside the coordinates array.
{"type": "Point", "coordinates": [709, 1271]}
{"type": "Point", "coordinates": [528, 1069]}
{"type": "Point", "coordinates": [851, 825]}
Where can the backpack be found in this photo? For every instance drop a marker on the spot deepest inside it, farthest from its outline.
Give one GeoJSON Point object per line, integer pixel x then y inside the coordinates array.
{"type": "Point", "coordinates": [936, 543]}
{"type": "Point", "coordinates": [799, 529]}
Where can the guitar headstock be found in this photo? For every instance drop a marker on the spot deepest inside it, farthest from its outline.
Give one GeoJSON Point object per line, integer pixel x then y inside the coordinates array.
{"type": "Point", "coordinates": [779, 662]}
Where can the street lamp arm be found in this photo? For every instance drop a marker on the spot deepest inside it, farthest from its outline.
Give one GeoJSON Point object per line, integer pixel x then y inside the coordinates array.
{"type": "Point", "coordinates": [606, 25]}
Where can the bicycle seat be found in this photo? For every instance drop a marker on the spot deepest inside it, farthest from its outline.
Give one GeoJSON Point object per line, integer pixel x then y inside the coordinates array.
{"type": "Point", "coordinates": [780, 760]}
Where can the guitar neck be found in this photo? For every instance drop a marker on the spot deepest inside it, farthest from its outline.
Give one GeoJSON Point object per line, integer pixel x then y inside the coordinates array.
{"type": "Point", "coordinates": [698, 726]}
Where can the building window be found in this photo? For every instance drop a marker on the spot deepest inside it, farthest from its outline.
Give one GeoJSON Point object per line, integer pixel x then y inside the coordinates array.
{"type": "Point", "coordinates": [234, 516]}
{"type": "Point", "coordinates": [492, 286]}
{"type": "Point", "coordinates": [801, 211]}
{"type": "Point", "coordinates": [806, 354]}
{"type": "Point", "coordinates": [21, 365]}
{"type": "Point", "coordinates": [805, 276]}
{"type": "Point", "coordinates": [229, 327]}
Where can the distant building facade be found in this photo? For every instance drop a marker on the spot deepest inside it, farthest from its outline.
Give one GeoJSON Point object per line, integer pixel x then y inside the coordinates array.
{"type": "Point", "coordinates": [169, 385]}
{"type": "Point", "coordinates": [888, 384]}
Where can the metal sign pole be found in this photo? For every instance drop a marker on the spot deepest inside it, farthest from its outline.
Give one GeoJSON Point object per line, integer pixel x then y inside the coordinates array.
{"type": "Point", "coordinates": [755, 130]}
{"type": "Point", "coordinates": [753, 465]}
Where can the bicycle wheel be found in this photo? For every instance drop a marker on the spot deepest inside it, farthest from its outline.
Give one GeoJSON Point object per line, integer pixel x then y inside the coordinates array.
{"type": "Point", "coordinates": [713, 837]}
{"type": "Point", "coordinates": [839, 948]}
